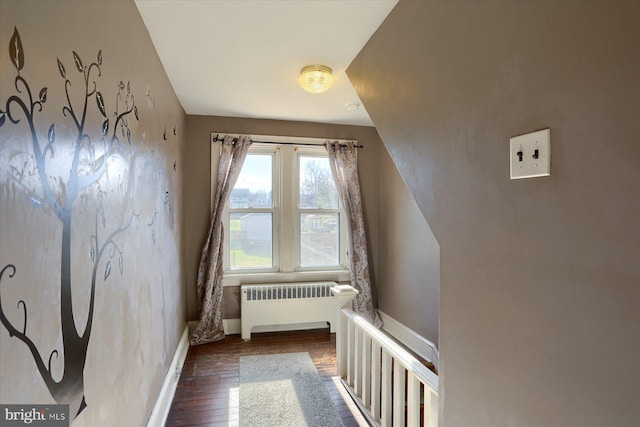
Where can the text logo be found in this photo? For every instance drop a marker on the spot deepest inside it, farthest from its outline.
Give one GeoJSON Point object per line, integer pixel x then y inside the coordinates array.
{"type": "Point", "coordinates": [34, 415]}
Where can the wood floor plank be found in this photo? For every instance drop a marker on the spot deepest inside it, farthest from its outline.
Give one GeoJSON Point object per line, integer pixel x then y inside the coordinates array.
{"type": "Point", "coordinates": [208, 390]}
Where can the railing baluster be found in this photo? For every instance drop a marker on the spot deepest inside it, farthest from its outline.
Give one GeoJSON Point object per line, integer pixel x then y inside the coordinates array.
{"type": "Point", "coordinates": [413, 400]}
{"type": "Point", "coordinates": [358, 362]}
{"type": "Point", "coordinates": [366, 370]}
{"type": "Point", "coordinates": [398, 393]}
{"type": "Point", "coordinates": [385, 415]}
{"type": "Point", "coordinates": [430, 408]}
{"type": "Point", "coordinates": [375, 380]}
{"type": "Point", "coordinates": [342, 343]}
{"type": "Point", "coordinates": [350, 348]}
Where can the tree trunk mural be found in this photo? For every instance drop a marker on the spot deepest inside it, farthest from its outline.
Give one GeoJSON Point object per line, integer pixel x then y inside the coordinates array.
{"type": "Point", "coordinates": [89, 168]}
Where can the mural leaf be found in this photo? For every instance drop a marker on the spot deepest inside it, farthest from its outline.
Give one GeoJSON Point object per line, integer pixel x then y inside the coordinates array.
{"type": "Point", "coordinates": [100, 101]}
{"type": "Point", "coordinates": [135, 112]}
{"type": "Point", "coordinates": [43, 95]}
{"type": "Point", "coordinates": [15, 50]}
{"type": "Point", "coordinates": [52, 133]}
{"type": "Point", "coordinates": [129, 136]}
{"type": "Point", "coordinates": [121, 263]}
{"type": "Point", "coordinates": [105, 127]}
{"type": "Point", "coordinates": [93, 254]}
{"type": "Point", "coordinates": [63, 72]}
{"type": "Point", "coordinates": [107, 270]}
{"type": "Point", "coordinates": [100, 57]}
{"type": "Point", "coordinates": [78, 61]}
{"type": "Point", "coordinates": [128, 87]}
{"type": "Point", "coordinates": [3, 117]}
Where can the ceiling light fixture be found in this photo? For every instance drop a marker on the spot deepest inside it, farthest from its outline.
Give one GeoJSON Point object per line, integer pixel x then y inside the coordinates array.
{"type": "Point", "coordinates": [315, 78]}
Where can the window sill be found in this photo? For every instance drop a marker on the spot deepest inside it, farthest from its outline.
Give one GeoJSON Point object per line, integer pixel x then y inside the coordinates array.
{"type": "Point", "coordinates": [237, 279]}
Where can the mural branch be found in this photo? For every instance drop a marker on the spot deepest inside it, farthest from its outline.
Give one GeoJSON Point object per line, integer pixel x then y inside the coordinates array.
{"type": "Point", "coordinates": [90, 159]}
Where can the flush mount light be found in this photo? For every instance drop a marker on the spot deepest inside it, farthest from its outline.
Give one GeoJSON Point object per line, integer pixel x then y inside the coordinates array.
{"type": "Point", "coordinates": [315, 78]}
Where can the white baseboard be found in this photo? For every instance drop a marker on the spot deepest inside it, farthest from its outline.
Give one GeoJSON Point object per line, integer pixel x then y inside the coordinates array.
{"type": "Point", "coordinates": [416, 342]}
{"type": "Point", "coordinates": [231, 326]}
{"type": "Point", "coordinates": [161, 409]}
{"type": "Point", "coordinates": [234, 326]}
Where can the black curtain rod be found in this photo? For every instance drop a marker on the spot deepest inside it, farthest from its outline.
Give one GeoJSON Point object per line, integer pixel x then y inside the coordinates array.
{"type": "Point", "coordinates": [216, 139]}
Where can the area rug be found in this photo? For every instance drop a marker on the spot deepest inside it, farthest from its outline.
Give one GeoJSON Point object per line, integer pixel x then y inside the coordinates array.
{"type": "Point", "coordinates": [284, 390]}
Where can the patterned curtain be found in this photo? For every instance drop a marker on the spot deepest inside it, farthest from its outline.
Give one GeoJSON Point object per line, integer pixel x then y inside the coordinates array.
{"type": "Point", "coordinates": [344, 166]}
{"type": "Point", "coordinates": [210, 271]}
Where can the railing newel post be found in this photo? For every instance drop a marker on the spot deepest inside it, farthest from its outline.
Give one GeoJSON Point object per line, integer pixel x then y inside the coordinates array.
{"type": "Point", "coordinates": [344, 295]}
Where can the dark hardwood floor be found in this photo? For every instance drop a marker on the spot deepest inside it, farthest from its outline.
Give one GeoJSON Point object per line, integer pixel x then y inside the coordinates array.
{"type": "Point", "coordinates": [207, 393]}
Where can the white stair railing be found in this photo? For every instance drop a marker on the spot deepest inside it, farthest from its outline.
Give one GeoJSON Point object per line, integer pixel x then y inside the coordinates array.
{"type": "Point", "coordinates": [389, 384]}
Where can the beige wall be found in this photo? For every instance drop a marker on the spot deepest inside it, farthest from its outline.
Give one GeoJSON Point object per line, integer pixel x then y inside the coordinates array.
{"type": "Point", "coordinates": [125, 225]}
{"type": "Point", "coordinates": [408, 256]}
{"type": "Point", "coordinates": [540, 286]}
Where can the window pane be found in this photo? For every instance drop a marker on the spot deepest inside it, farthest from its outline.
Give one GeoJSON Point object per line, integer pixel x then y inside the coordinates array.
{"type": "Point", "coordinates": [250, 240]}
{"type": "Point", "coordinates": [254, 188]}
{"type": "Point", "coordinates": [319, 240]}
{"type": "Point", "coordinates": [317, 189]}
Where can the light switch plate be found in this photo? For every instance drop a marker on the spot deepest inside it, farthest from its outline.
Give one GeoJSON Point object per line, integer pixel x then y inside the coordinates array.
{"type": "Point", "coordinates": [526, 162]}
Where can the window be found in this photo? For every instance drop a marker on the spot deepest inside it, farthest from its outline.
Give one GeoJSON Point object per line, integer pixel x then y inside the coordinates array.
{"type": "Point", "coordinates": [251, 213]}
{"type": "Point", "coordinates": [284, 214]}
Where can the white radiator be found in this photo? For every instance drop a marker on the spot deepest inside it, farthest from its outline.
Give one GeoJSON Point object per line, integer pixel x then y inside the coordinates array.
{"type": "Point", "coordinates": [286, 304]}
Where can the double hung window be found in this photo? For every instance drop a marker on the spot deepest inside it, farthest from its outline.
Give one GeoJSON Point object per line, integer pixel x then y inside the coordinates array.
{"type": "Point", "coordinates": [284, 214]}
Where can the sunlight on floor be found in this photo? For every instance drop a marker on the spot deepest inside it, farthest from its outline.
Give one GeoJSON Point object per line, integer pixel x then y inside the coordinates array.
{"type": "Point", "coordinates": [234, 406]}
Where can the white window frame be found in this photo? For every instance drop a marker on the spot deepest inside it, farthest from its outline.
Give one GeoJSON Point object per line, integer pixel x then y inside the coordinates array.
{"type": "Point", "coordinates": [274, 210]}
{"type": "Point", "coordinates": [297, 210]}
{"type": "Point", "coordinates": [285, 211]}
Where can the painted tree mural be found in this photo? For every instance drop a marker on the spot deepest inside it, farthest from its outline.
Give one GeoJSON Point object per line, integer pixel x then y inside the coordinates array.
{"type": "Point", "coordinates": [101, 164]}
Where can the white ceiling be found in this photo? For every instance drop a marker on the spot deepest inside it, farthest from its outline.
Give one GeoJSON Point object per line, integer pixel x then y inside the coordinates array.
{"type": "Point", "coordinates": [242, 58]}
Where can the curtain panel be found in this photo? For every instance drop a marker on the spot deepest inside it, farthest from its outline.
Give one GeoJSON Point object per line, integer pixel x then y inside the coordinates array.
{"type": "Point", "coordinates": [210, 271]}
{"type": "Point", "coordinates": [344, 166]}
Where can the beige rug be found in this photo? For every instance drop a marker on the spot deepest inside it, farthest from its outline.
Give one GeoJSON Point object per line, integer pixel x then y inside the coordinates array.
{"type": "Point", "coordinates": [284, 390]}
